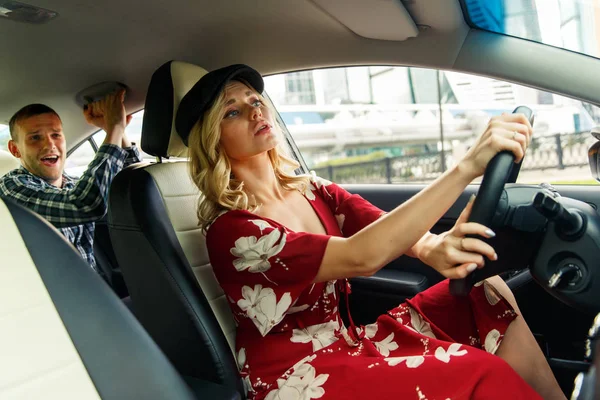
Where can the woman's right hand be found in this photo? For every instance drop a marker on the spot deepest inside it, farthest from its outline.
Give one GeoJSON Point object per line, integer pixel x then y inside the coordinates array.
{"type": "Point", "coordinates": [452, 253]}
{"type": "Point", "coordinates": [510, 132]}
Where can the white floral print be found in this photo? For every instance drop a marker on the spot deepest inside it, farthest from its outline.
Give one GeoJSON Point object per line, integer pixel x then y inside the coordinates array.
{"type": "Point", "coordinates": [349, 340]}
{"type": "Point", "coordinates": [321, 335]}
{"type": "Point", "coordinates": [386, 345]}
{"type": "Point", "coordinates": [308, 192]}
{"type": "Point", "coordinates": [492, 341]}
{"type": "Point", "coordinates": [261, 305]}
{"type": "Point", "coordinates": [411, 361]}
{"type": "Point", "coordinates": [318, 181]}
{"type": "Point", "coordinates": [305, 360]}
{"type": "Point", "coordinates": [419, 324]}
{"type": "Point", "coordinates": [302, 384]}
{"type": "Point", "coordinates": [370, 331]}
{"type": "Point", "coordinates": [453, 350]}
{"type": "Point", "coordinates": [241, 358]}
{"type": "Point", "coordinates": [248, 385]}
{"type": "Point", "coordinates": [262, 224]}
{"type": "Point", "coordinates": [253, 254]}
{"type": "Point", "coordinates": [297, 309]}
{"type": "Point", "coordinates": [330, 288]}
{"type": "Point", "coordinates": [241, 362]}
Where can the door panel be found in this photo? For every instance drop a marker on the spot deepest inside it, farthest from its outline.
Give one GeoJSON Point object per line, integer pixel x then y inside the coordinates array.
{"type": "Point", "coordinates": [374, 295]}
{"type": "Point", "coordinates": [559, 329]}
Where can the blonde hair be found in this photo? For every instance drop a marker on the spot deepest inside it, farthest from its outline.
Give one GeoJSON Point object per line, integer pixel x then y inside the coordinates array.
{"type": "Point", "coordinates": [210, 168]}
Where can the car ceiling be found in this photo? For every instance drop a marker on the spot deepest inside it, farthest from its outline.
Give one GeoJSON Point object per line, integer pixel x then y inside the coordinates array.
{"type": "Point", "coordinates": [126, 40]}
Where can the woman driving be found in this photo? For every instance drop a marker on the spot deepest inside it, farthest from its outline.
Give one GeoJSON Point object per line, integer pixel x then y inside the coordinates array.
{"type": "Point", "coordinates": [283, 245]}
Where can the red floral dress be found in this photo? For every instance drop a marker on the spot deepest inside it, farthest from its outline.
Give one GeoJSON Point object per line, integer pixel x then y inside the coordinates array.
{"type": "Point", "coordinates": [292, 343]}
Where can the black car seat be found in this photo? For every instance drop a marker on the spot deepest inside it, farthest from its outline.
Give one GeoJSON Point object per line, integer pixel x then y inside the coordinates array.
{"type": "Point", "coordinates": [161, 249]}
{"type": "Point", "coordinates": [64, 334]}
{"type": "Point", "coordinates": [106, 261]}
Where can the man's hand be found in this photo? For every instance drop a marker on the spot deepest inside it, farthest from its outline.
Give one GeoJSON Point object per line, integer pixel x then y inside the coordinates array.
{"type": "Point", "coordinates": [109, 115]}
{"type": "Point", "coordinates": [452, 253]}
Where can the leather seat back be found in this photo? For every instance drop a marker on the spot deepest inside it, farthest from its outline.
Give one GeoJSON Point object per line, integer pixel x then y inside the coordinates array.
{"type": "Point", "coordinates": [161, 249]}
{"type": "Point", "coordinates": [63, 333]}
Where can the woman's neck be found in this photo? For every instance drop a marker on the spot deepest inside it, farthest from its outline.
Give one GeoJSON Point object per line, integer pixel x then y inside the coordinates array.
{"type": "Point", "coordinates": [259, 179]}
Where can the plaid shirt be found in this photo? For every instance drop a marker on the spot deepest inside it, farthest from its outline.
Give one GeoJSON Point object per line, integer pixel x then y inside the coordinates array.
{"type": "Point", "coordinates": [74, 207]}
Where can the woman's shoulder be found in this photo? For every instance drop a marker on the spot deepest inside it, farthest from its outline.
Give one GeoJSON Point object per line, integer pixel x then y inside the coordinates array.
{"type": "Point", "coordinates": [317, 181]}
{"type": "Point", "coordinates": [324, 188]}
{"type": "Point", "coordinates": [227, 217]}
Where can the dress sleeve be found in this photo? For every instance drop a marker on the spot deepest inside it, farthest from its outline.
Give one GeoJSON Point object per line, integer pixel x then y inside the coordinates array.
{"type": "Point", "coordinates": [262, 267]}
{"type": "Point", "coordinates": [352, 212]}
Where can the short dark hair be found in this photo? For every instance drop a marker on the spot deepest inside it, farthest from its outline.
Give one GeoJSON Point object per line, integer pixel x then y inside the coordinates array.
{"type": "Point", "coordinates": [28, 111]}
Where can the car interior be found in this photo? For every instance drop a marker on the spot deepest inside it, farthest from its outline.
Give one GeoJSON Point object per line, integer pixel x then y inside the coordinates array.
{"type": "Point", "coordinates": [190, 320]}
{"type": "Point", "coordinates": [7, 162]}
{"type": "Point", "coordinates": [66, 335]}
{"type": "Point", "coordinates": [160, 326]}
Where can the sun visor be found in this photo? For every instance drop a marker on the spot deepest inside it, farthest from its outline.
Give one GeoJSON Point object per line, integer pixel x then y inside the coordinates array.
{"type": "Point", "coordinates": [98, 92]}
{"type": "Point", "coordinates": [372, 19]}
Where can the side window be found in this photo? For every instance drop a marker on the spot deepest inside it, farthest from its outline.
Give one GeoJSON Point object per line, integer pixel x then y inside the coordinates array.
{"type": "Point", "coordinates": [79, 159]}
{"type": "Point", "coordinates": [384, 124]}
{"type": "Point", "coordinates": [133, 131]}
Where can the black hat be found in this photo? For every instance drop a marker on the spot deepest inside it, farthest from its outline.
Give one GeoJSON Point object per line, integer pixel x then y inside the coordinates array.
{"type": "Point", "coordinates": [203, 94]}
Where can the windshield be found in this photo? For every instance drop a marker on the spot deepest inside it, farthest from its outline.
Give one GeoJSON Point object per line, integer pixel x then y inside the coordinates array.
{"type": "Point", "coordinates": [569, 24]}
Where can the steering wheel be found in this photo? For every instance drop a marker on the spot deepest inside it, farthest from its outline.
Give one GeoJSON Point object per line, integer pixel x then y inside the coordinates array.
{"type": "Point", "coordinates": [501, 170]}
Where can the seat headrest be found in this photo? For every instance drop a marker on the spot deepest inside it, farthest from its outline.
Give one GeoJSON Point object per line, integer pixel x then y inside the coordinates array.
{"type": "Point", "coordinates": [168, 85]}
{"type": "Point", "coordinates": [8, 162]}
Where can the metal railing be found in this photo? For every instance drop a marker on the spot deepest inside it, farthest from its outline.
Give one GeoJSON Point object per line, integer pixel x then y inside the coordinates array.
{"type": "Point", "coordinates": [557, 151]}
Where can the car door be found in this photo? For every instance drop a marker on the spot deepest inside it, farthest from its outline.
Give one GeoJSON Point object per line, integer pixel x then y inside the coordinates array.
{"type": "Point", "coordinates": [386, 132]}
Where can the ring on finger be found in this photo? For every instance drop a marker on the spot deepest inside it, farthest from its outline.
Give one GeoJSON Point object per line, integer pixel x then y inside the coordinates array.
{"type": "Point", "coordinates": [515, 135]}
{"type": "Point", "coordinates": [462, 244]}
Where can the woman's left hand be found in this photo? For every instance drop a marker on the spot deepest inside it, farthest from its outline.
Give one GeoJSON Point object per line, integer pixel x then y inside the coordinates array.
{"type": "Point", "coordinates": [452, 253]}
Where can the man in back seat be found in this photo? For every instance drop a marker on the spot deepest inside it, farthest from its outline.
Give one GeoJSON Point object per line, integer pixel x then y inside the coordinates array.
{"type": "Point", "coordinates": [41, 184]}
